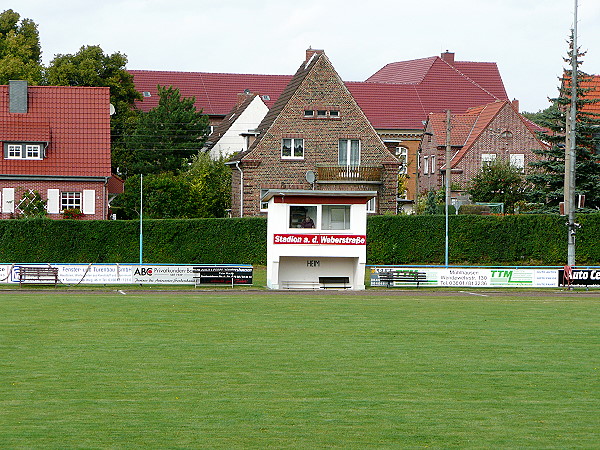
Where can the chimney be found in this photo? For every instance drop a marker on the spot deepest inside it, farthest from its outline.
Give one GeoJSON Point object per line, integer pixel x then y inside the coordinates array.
{"type": "Point", "coordinates": [241, 97]}
{"type": "Point", "coordinates": [17, 94]}
{"type": "Point", "coordinates": [448, 57]}
{"type": "Point", "coordinates": [311, 52]}
{"type": "Point", "coordinates": [515, 104]}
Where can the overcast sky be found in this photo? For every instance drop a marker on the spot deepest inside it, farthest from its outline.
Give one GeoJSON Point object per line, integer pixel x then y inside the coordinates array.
{"type": "Point", "coordinates": [526, 38]}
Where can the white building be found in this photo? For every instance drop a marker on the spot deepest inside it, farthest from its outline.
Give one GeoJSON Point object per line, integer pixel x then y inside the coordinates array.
{"type": "Point", "coordinates": [316, 239]}
{"type": "Point", "coordinates": [236, 132]}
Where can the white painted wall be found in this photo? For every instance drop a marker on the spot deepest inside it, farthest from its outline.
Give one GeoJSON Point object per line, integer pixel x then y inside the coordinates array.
{"type": "Point", "coordinates": [300, 266]}
{"type": "Point", "coordinates": [232, 141]}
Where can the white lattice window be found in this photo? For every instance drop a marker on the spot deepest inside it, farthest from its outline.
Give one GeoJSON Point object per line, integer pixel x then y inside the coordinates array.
{"type": "Point", "coordinates": [70, 200]}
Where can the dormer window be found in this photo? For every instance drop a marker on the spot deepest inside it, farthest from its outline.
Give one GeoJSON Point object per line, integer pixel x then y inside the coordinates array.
{"type": "Point", "coordinates": [23, 151]}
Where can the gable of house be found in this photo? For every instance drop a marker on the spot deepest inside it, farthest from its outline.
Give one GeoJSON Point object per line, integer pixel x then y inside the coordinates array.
{"type": "Point", "coordinates": [303, 132]}
{"type": "Point", "coordinates": [491, 131]}
{"type": "Point", "coordinates": [233, 134]}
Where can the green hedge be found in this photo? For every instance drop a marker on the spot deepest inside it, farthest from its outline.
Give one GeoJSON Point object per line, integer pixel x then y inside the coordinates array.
{"type": "Point", "coordinates": [196, 241]}
{"type": "Point", "coordinates": [477, 240]}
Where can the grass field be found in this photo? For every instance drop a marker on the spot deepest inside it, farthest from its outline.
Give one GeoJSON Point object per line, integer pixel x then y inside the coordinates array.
{"type": "Point", "coordinates": [256, 369]}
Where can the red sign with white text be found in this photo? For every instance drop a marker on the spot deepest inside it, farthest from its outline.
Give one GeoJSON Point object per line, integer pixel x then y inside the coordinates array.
{"type": "Point", "coordinates": [320, 239]}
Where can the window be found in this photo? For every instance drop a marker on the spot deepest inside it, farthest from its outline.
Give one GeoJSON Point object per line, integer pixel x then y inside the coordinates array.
{"type": "Point", "coordinates": [402, 155]}
{"type": "Point", "coordinates": [487, 158]}
{"type": "Point", "coordinates": [146, 94]}
{"type": "Point", "coordinates": [425, 165]}
{"type": "Point", "coordinates": [303, 216]}
{"type": "Point", "coordinates": [518, 160]}
{"type": "Point", "coordinates": [264, 206]}
{"type": "Point", "coordinates": [371, 205]}
{"type": "Point", "coordinates": [506, 135]}
{"type": "Point", "coordinates": [32, 151]}
{"type": "Point", "coordinates": [23, 151]}
{"type": "Point", "coordinates": [335, 217]}
{"type": "Point", "coordinates": [292, 149]}
{"type": "Point", "coordinates": [433, 164]}
{"type": "Point", "coordinates": [14, 151]}
{"type": "Point", "coordinates": [349, 152]}
{"type": "Point", "coordinates": [321, 114]}
{"type": "Point", "coordinates": [70, 200]}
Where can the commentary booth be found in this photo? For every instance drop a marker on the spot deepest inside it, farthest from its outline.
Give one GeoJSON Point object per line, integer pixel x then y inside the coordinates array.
{"type": "Point", "coordinates": [316, 239]}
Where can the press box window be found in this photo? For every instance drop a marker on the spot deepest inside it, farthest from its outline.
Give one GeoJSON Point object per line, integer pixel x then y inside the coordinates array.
{"type": "Point", "coordinates": [292, 148]}
{"type": "Point", "coordinates": [303, 216]}
{"type": "Point", "coordinates": [335, 217]}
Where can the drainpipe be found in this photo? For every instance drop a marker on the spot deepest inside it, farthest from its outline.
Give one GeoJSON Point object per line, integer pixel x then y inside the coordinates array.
{"type": "Point", "coordinates": [237, 166]}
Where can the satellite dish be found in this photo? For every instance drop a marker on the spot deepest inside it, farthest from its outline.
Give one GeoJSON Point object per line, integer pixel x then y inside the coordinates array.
{"type": "Point", "coordinates": [112, 109]}
{"type": "Point", "coordinates": [310, 176]}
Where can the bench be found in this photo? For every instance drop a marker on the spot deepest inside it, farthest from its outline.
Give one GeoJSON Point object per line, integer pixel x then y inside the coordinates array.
{"type": "Point", "coordinates": [336, 281]}
{"type": "Point", "coordinates": [402, 276]}
{"type": "Point", "coordinates": [39, 275]}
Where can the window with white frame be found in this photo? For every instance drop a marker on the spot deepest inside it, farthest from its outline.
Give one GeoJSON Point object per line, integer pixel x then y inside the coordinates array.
{"type": "Point", "coordinates": [349, 152]}
{"type": "Point", "coordinates": [425, 165]}
{"type": "Point", "coordinates": [372, 205]}
{"type": "Point", "coordinates": [292, 148]}
{"type": "Point", "coordinates": [264, 206]}
{"type": "Point", "coordinates": [487, 158]}
{"type": "Point", "coordinates": [335, 217]}
{"type": "Point", "coordinates": [70, 200]}
{"type": "Point", "coordinates": [517, 160]}
{"type": "Point", "coordinates": [23, 151]}
{"type": "Point", "coordinates": [432, 164]}
{"type": "Point", "coordinates": [402, 155]}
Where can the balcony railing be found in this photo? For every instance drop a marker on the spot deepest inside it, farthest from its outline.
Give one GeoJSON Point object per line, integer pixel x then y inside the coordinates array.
{"type": "Point", "coordinates": [349, 173]}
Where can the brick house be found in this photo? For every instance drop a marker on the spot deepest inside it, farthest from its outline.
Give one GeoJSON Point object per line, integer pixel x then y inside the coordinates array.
{"type": "Point", "coordinates": [477, 137]}
{"type": "Point", "coordinates": [56, 140]}
{"type": "Point", "coordinates": [314, 130]}
{"type": "Point", "coordinates": [396, 99]}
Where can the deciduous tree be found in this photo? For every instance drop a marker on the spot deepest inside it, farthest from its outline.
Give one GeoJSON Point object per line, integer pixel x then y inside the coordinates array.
{"type": "Point", "coordinates": [498, 182]}
{"type": "Point", "coordinates": [20, 50]}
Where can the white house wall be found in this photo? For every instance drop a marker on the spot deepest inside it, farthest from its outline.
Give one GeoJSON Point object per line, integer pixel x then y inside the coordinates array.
{"type": "Point", "coordinates": [233, 141]}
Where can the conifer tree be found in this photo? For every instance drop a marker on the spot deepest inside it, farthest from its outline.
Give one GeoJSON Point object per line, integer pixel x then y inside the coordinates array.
{"type": "Point", "coordinates": [548, 177]}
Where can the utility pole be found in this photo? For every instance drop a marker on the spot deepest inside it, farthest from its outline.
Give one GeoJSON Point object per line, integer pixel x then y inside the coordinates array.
{"type": "Point", "coordinates": [448, 172]}
{"type": "Point", "coordinates": [572, 145]}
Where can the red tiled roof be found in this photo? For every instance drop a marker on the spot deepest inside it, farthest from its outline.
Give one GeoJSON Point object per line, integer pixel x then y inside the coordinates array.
{"type": "Point", "coordinates": [399, 96]}
{"type": "Point", "coordinates": [215, 93]}
{"type": "Point", "coordinates": [75, 121]}
{"type": "Point", "coordinates": [593, 84]}
{"type": "Point", "coordinates": [428, 71]}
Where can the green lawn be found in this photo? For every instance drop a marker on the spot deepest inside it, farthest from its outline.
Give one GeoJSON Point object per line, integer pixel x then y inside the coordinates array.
{"type": "Point", "coordinates": [256, 369]}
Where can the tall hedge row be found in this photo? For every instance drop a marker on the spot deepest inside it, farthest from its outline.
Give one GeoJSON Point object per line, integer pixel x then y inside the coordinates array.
{"type": "Point", "coordinates": [476, 240]}
{"type": "Point", "coordinates": [210, 241]}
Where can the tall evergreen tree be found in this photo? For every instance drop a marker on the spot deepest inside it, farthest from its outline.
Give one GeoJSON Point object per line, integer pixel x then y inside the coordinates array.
{"type": "Point", "coordinates": [20, 50]}
{"type": "Point", "coordinates": [548, 179]}
{"type": "Point", "coordinates": [166, 137]}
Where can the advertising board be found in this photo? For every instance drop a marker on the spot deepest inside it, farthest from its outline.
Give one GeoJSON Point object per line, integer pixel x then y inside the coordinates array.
{"type": "Point", "coordinates": [471, 277]}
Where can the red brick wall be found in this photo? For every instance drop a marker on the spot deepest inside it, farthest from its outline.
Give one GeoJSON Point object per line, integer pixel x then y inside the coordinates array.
{"type": "Point", "coordinates": [265, 169]}
{"type": "Point", "coordinates": [42, 187]}
{"type": "Point", "coordinates": [490, 141]}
